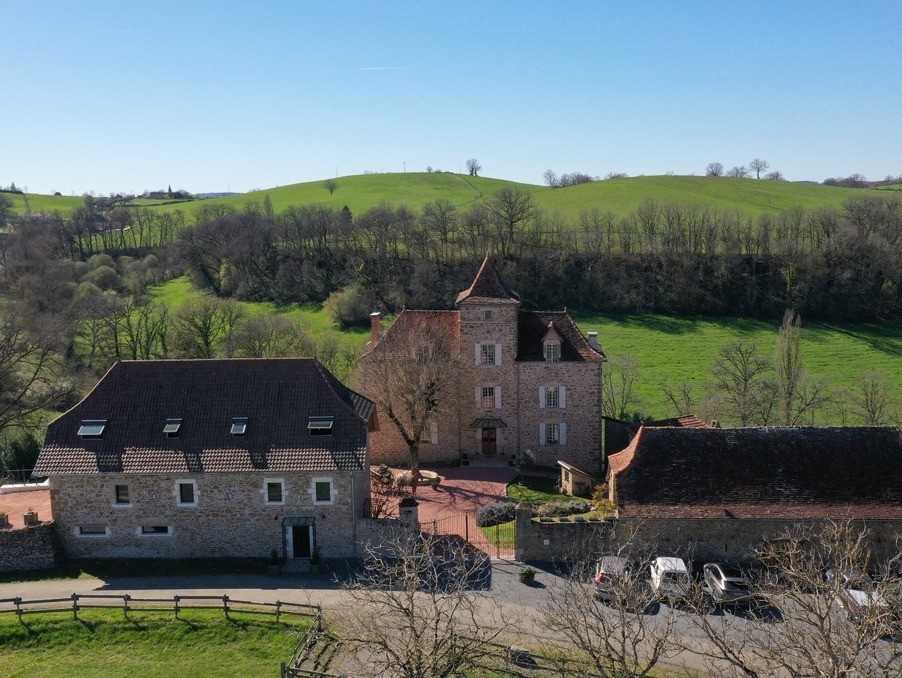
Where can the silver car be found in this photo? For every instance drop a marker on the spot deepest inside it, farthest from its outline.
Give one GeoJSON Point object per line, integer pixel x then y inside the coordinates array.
{"type": "Point", "coordinates": [612, 577]}
{"type": "Point", "coordinates": [726, 583]}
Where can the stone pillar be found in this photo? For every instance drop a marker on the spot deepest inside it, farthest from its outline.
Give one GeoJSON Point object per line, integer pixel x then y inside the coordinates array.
{"type": "Point", "coordinates": [522, 528]}
{"type": "Point", "coordinates": [410, 513]}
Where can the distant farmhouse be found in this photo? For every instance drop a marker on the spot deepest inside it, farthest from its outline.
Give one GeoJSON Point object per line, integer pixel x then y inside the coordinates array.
{"type": "Point", "coordinates": [201, 458]}
{"type": "Point", "coordinates": [535, 384]}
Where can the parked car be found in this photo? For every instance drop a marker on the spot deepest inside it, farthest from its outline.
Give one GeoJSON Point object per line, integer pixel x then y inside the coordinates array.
{"type": "Point", "coordinates": [669, 578]}
{"type": "Point", "coordinates": [725, 583]}
{"type": "Point", "coordinates": [856, 593]}
{"type": "Point", "coordinates": [612, 576]}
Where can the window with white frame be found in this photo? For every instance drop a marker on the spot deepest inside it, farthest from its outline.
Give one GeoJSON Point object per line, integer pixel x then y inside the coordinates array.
{"type": "Point", "coordinates": [552, 396]}
{"type": "Point", "coordinates": [154, 530]}
{"type": "Point", "coordinates": [92, 530]}
{"type": "Point", "coordinates": [488, 397]}
{"type": "Point", "coordinates": [487, 354]}
{"type": "Point", "coordinates": [322, 491]}
{"type": "Point", "coordinates": [186, 492]}
{"type": "Point", "coordinates": [274, 489]}
{"type": "Point", "coordinates": [552, 434]}
{"type": "Point", "coordinates": [430, 433]}
{"type": "Point", "coordinates": [552, 352]}
{"type": "Point", "coordinates": [122, 495]}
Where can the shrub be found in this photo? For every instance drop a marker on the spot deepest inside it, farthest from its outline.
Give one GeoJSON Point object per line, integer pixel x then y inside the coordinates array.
{"type": "Point", "coordinates": [349, 306]}
{"type": "Point", "coordinates": [560, 508]}
{"type": "Point", "coordinates": [495, 513]}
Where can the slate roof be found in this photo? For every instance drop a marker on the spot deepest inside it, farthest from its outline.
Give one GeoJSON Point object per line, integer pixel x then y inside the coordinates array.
{"type": "Point", "coordinates": [488, 287]}
{"type": "Point", "coordinates": [277, 396]}
{"type": "Point", "coordinates": [532, 326]}
{"type": "Point", "coordinates": [773, 473]}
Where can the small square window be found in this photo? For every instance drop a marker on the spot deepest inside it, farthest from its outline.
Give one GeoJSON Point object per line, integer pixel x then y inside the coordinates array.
{"type": "Point", "coordinates": [320, 426]}
{"type": "Point", "coordinates": [488, 315]}
{"type": "Point", "coordinates": [487, 354]}
{"type": "Point", "coordinates": [552, 352]}
{"type": "Point", "coordinates": [92, 428]}
{"type": "Point", "coordinates": [154, 529]}
{"type": "Point", "coordinates": [122, 496]}
{"type": "Point", "coordinates": [274, 492]}
{"type": "Point", "coordinates": [323, 490]}
{"type": "Point", "coordinates": [186, 493]}
{"type": "Point", "coordinates": [552, 434]}
{"type": "Point", "coordinates": [239, 426]}
{"type": "Point", "coordinates": [92, 530]}
{"type": "Point", "coordinates": [172, 427]}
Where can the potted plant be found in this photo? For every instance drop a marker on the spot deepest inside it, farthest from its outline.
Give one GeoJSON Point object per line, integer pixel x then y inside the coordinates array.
{"type": "Point", "coordinates": [315, 561]}
{"type": "Point", "coordinates": [527, 575]}
{"type": "Point", "coordinates": [4, 519]}
{"type": "Point", "coordinates": [31, 517]}
{"type": "Point", "coordinates": [275, 562]}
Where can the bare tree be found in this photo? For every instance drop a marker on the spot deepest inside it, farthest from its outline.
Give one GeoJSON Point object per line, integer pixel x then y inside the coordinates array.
{"type": "Point", "coordinates": [420, 608]}
{"type": "Point", "coordinates": [201, 326]}
{"type": "Point", "coordinates": [789, 362]}
{"type": "Point", "coordinates": [743, 381]}
{"type": "Point", "coordinates": [269, 336]}
{"type": "Point", "coordinates": [776, 175]}
{"type": "Point", "coordinates": [509, 210]}
{"type": "Point", "coordinates": [871, 401]}
{"type": "Point", "coordinates": [758, 166]}
{"type": "Point", "coordinates": [714, 169]}
{"type": "Point", "coordinates": [812, 633]}
{"type": "Point", "coordinates": [415, 375]}
{"type": "Point", "coordinates": [330, 185]}
{"type": "Point", "coordinates": [618, 381]}
{"type": "Point", "coordinates": [31, 376]}
{"type": "Point", "coordinates": [740, 172]}
{"type": "Point", "coordinates": [682, 399]}
{"type": "Point", "coordinates": [621, 637]}
{"type": "Point", "coordinates": [473, 167]}
{"type": "Point", "coordinates": [551, 178]}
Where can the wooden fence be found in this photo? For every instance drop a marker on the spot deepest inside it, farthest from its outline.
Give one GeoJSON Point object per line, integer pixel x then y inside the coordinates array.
{"type": "Point", "coordinates": [177, 603]}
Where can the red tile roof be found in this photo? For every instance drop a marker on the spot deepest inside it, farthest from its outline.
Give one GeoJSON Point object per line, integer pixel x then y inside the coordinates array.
{"type": "Point", "coordinates": [488, 287]}
{"type": "Point", "coordinates": [277, 396]}
{"type": "Point", "coordinates": [785, 473]}
{"type": "Point", "coordinates": [686, 421]}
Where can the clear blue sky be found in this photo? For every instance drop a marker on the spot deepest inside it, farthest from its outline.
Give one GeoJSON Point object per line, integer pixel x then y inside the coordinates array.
{"type": "Point", "coordinates": [128, 96]}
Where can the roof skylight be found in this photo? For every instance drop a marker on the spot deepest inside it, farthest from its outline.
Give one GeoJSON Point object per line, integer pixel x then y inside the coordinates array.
{"type": "Point", "coordinates": [92, 428]}
{"type": "Point", "coordinates": [172, 427]}
{"type": "Point", "coordinates": [239, 426]}
{"type": "Point", "coordinates": [320, 426]}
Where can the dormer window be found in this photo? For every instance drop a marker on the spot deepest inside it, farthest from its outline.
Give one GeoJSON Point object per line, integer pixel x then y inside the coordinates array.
{"type": "Point", "coordinates": [552, 352]}
{"type": "Point", "coordinates": [172, 427]}
{"type": "Point", "coordinates": [92, 428]}
{"type": "Point", "coordinates": [239, 426]}
{"type": "Point", "coordinates": [320, 426]}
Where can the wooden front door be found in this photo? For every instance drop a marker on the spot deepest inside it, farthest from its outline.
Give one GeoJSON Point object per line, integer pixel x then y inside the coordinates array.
{"type": "Point", "coordinates": [489, 441]}
{"type": "Point", "coordinates": [300, 540]}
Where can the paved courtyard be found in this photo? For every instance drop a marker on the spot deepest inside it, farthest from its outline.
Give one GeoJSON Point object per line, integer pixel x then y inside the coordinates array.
{"type": "Point", "coordinates": [17, 503]}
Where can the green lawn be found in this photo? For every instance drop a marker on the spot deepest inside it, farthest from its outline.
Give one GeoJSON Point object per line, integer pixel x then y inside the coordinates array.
{"type": "Point", "coordinates": [671, 350]}
{"type": "Point", "coordinates": [535, 490]}
{"type": "Point", "coordinates": [104, 643]}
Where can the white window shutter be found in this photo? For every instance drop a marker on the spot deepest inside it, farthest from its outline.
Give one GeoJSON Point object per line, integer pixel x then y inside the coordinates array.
{"type": "Point", "coordinates": [563, 434]}
{"type": "Point", "coordinates": [497, 397]}
{"type": "Point", "coordinates": [563, 397]}
{"type": "Point", "coordinates": [478, 397]}
{"type": "Point", "coordinates": [497, 354]}
{"type": "Point", "coordinates": [478, 354]}
{"type": "Point", "coordinates": [541, 434]}
{"type": "Point", "coordinates": [541, 397]}
{"type": "Point", "coordinates": [433, 432]}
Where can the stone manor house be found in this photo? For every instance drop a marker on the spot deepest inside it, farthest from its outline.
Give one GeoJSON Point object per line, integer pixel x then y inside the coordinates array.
{"type": "Point", "coordinates": [535, 382]}
{"type": "Point", "coordinates": [200, 458]}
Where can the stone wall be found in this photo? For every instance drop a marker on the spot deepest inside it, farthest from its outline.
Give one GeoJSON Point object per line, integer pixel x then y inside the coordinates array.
{"type": "Point", "coordinates": [701, 540]}
{"type": "Point", "coordinates": [231, 517]}
{"type": "Point", "coordinates": [30, 548]}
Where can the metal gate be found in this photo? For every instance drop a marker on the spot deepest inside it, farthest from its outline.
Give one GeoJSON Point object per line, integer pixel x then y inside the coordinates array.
{"type": "Point", "coordinates": [497, 541]}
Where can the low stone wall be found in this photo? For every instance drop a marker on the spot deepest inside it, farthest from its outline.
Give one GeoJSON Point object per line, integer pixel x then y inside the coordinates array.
{"type": "Point", "coordinates": [30, 548]}
{"type": "Point", "coordinates": [699, 539]}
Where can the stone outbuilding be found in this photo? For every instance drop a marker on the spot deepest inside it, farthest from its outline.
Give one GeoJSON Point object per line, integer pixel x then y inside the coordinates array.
{"type": "Point", "coordinates": [533, 382]}
{"type": "Point", "coordinates": [210, 458]}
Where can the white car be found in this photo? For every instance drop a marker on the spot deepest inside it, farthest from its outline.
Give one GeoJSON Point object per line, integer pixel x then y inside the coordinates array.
{"type": "Point", "coordinates": [669, 578]}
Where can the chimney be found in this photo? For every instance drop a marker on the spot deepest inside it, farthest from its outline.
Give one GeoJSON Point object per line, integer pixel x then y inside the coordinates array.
{"type": "Point", "coordinates": [593, 341]}
{"type": "Point", "coordinates": [375, 327]}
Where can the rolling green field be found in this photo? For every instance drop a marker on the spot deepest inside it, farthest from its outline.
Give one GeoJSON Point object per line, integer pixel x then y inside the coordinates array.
{"type": "Point", "coordinates": [670, 350]}
{"type": "Point", "coordinates": [620, 196]}
{"type": "Point", "coordinates": [104, 643]}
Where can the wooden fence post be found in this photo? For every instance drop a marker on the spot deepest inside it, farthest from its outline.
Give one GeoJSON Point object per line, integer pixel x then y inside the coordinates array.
{"type": "Point", "coordinates": [176, 598]}
{"type": "Point", "coordinates": [225, 606]}
{"type": "Point", "coordinates": [125, 600]}
{"type": "Point", "coordinates": [18, 602]}
{"type": "Point", "coordinates": [75, 606]}
{"type": "Point", "coordinates": [278, 610]}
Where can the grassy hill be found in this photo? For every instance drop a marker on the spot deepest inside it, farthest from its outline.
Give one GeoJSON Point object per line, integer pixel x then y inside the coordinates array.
{"type": "Point", "coordinates": [361, 192]}
{"type": "Point", "coordinates": [670, 350]}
